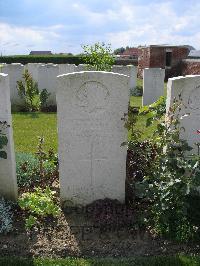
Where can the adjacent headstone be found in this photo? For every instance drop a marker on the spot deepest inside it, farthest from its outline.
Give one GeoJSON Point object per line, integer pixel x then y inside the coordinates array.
{"type": "Point", "coordinates": [66, 68]}
{"type": "Point", "coordinates": [15, 72]}
{"type": "Point", "coordinates": [33, 70]}
{"type": "Point", "coordinates": [92, 162]}
{"type": "Point", "coordinates": [8, 180]}
{"type": "Point", "coordinates": [47, 80]}
{"type": "Point", "coordinates": [153, 85]}
{"type": "Point", "coordinates": [186, 90]}
{"type": "Point", "coordinates": [81, 67]}
{"type": "Point", "coordinates": [128, 70]}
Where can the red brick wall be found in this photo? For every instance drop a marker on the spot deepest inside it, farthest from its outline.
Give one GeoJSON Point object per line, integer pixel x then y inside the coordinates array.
{"type": "Point", "coordinates": [155, 57]}
{"type": "Point", "coordinates": [143, 60]}
{"type": "Point", "coordinates": [190, 67]}
{"type": "Point", "coordinates": [126, 62]}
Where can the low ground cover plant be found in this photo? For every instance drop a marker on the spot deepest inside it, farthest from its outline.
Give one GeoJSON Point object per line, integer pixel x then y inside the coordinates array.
{"type": "Point", "coordinates": [6, 216]}
{"type": "Point", "coordinates": [40, 203]}
{"type": "Point", "coordinates": [38, 169]}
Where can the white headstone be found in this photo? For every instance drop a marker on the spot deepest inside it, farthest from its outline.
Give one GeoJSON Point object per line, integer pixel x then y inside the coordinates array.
{"type": "Point", "coordinates": [81, 67]}
{"type": "Point", "coordinates": [153, 85]}
{"type": "Point", "coordinates": [187, 91]}
{"type": "Point", "coordinates": [66, 68]}
{"type": "Point", "coordinates": [92, 162]}
{"type": "Point", "coordinates": [15, 72]}
{"type": "Point", "coordinates": [33, 70]}
{"type": "Point", "coordinates": [8, 181]}
{"type": "Point", "coordinates": [47, 75]}
{"type": "Point", "coordinates": [128, 70]}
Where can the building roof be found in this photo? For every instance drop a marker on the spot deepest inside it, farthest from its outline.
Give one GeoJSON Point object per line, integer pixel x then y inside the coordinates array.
{"type": "Point", "coordinates": [163, 45]}
{"type": "Point", "coordinates": [194, 54]}
{"type": "Point", "coordinates": [40, 52]}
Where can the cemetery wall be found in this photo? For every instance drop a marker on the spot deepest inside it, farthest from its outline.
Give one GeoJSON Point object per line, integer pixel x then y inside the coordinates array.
{"type": "Point", "coordinates": [190, 67]}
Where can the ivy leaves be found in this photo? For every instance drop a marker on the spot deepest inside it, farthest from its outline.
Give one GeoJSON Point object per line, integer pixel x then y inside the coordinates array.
{"type": "Point", "coordinates": [3, 140]}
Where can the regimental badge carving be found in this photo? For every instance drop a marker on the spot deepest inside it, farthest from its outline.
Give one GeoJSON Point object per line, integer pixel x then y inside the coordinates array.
{"type": "Point", "coordinates": [92, 96]}
{"type": "Point", "coordinates": [194, 98]}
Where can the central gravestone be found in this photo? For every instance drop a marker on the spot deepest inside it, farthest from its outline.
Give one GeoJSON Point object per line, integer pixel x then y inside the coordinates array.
{"type": "Point", "coordinates": [92, 162]}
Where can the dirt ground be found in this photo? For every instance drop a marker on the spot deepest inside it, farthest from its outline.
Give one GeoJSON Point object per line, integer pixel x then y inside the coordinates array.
{"type": "Point", "coordinates": [105, 228]}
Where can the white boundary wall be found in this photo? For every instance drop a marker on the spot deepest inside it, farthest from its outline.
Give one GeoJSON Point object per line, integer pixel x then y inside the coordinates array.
{"type": "Point", "coordinates": [15, 72]}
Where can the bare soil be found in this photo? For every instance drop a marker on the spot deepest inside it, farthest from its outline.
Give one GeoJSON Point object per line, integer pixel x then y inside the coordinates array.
{"type": "Point", "coordinates": [104, 228]}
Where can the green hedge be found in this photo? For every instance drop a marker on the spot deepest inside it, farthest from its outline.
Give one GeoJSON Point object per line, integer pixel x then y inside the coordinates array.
{"type": "Point", "coordinates": [56, 59]}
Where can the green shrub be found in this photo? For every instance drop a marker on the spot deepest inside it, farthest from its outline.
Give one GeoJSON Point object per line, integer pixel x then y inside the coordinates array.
{"type": "Point", "coordinates": [170, 177]}
{"type": "Point", "coordinates": [27, 169]}
{"type": "Point", "coordinates": [137, 91]}
{"type": "Point", "coordinates": [55, 59]}
{"type": "Point", "coordinates": [33, 169]}
{"type": "Point", "coordinates": [39, 204]}
{"type": "Point", "coordinates": [29, 92]}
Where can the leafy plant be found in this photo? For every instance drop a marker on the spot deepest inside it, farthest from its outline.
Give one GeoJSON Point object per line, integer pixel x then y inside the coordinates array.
{"type": "Point", "coordinates": [98, 56]}
{"type": "Point", "coordinates": [39, 204]}
{"type": "Point", "coordinates": [3, 139]}
{"type": "Point", "coordinates": [29, 92]}
{"type": "Point", "coordinates": [6, 216]}
{"type": "Point", "coordinates": [168, 175]}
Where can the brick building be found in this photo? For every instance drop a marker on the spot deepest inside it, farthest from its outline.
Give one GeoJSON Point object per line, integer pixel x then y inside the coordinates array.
{"type": "Point", "coordinates": [168, 57]}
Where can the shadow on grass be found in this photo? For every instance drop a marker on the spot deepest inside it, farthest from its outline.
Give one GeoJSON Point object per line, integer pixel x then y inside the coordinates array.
{"type": "Point", "coordinates": [139, 261]}
{"type": "Point", "coordinates": [28, 114]}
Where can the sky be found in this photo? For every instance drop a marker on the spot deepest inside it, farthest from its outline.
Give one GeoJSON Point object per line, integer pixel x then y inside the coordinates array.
{"type": "Point", "coordinates": [63, 26]}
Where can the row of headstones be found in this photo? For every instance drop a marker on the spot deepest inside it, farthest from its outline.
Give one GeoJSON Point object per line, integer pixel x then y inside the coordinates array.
{"type": "Point", "coordinates": [92, 163]}
{"type": "Point", "coordinates": [45, 75]}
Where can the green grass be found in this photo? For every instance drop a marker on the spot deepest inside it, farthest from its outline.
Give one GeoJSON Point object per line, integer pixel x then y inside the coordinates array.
{"type": "Point", "coordinates": [137, 261]}
{"type": "Point", "coordinates": [27, 127]}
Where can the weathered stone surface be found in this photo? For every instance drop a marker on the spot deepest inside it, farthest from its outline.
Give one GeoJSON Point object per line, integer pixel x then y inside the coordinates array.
{"type": "Point", "coordinates": [8, 181]}
{"type": "Point", "coordinates": [33, 70]}
{"type": "Point", "coordinates": [153, 85]}
{"type": "Point", "coordinates": [128, 70]}
{"type": "Point", "coordinates": [92, 162]}
{"type": "Point", "coordinates": [81, 67]}
{"type": "Point", "coordinates": [187, 91]}
{"type": "Point", "coordinates": [66, 68]}
{"type": "Point", "coordinates": [15, 72]}
{"type": "Point", "coordinates": [47, 80]}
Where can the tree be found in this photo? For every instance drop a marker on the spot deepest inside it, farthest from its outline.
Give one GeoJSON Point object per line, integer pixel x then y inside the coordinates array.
{"type": "Point", "coordinates": [119, 50]}
{"type": "Point", "coordinates": [98, 56]}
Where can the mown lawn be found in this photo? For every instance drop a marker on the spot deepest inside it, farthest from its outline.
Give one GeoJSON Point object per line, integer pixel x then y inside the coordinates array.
{"type": "Point", "coordinates": [137, 261]}
{"type": "Point", "coordinates": [27, 127]}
